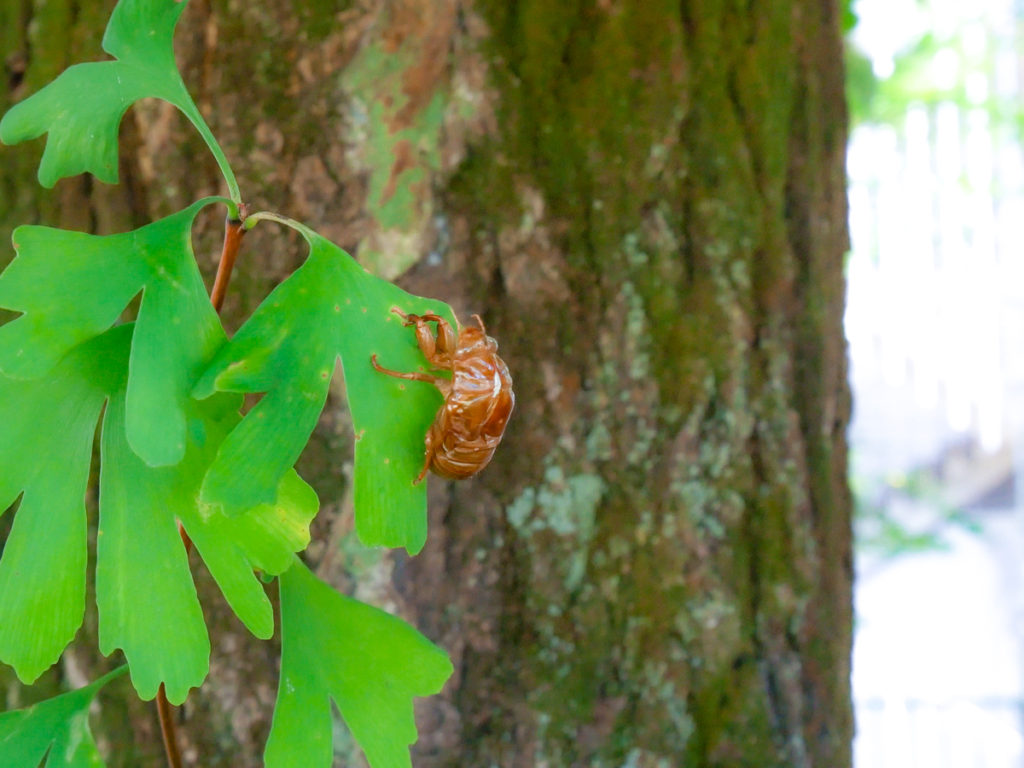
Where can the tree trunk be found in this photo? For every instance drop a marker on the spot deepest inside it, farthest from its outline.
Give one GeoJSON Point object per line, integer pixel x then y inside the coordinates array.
{"type": "Point", "coordinates": [646, 203]}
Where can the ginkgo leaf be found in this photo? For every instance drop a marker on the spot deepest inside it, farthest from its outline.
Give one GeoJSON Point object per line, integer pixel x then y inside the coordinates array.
{"type": "Point", "coordinates": [369, 662]}
{"type": "Point", "coordinates": [327, 309]}
{"type": "Point", "coordinates": [46, 436]}
{"type": "Point", "coordinates": [57, 729]}
{"type": "Point", "coordinates": [164, 636]}
{"type": "Point", "coordinates": [144, 590]}
{"type": "Point", "coordinates": [160, 627]}
{"type": "Point", "coordinates": [82, 109]}
{"type": "Point", "coordinates": [71, 286]}
{"type": "Point", "coordinates": [264, 538]}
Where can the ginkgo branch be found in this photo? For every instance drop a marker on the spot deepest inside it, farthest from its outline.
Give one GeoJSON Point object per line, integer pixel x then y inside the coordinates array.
{"type": "Point", "coordinates": [165, 712]}
{"type": "Point", "coordinates": [233, 231]}
{"type": "Point", "coordinates": [234, 228]}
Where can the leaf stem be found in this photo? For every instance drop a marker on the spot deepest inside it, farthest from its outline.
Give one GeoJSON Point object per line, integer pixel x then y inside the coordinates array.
{"type": "Point", "coordinates": [196, 119]}
{"type": "Point", "coordinates": [259, 216]}
{"type": "Point", "coordinates": [166, 714]}
{"type": "Point", "coordinates": [183, 100]}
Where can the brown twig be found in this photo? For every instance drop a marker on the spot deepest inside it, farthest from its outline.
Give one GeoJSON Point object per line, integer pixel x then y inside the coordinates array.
{"type": "Point", "coordinates": [233, 231]}
{"type": "Point", "coordinates": [165, 712]}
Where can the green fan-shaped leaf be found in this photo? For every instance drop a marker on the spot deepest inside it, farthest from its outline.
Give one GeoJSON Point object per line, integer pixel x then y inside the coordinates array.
{"type": "Point", "coordinates": [82, 109]}
{"type": "Point", "coordinates": [71, 287]}
{"type": "Point", "coordinates": [370, 663]}
{"type": "Point", "coordinates": [329, 308]}
{"type": "Point", "coordinates": [57, 729]}
{"type": "Point", "coordinates": [144, 590]}
{"type": "Point", "coordinates": [46, 435]}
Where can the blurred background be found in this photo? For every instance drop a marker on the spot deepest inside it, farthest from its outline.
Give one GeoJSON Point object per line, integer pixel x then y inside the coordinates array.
{"type": "Point", "coordinates": [935, 323]}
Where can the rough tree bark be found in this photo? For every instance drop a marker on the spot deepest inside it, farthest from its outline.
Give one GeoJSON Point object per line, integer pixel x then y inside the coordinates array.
{"type": "Point", "coordinates": [645, 200]}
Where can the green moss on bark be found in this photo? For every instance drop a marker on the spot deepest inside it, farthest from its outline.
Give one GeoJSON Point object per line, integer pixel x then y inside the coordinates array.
{"type": "Point", "coordinates": [660, 138]}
